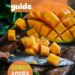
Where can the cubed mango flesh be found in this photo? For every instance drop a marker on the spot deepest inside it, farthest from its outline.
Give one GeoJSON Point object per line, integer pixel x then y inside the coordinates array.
{"type": "Point", "coordinates": [72, 30]}
{"type": "Point", "coordinates": [68, 22]}
{"type": "Point", "coordinates": [60, 28]}
{"type": "Point", "coordinates": [52, 35]}
{"type": "Point", "coordinates": [30, 51]}
{"type": "Point", "coordinates": [50, 18]}
{"type": "Point", "coordinates": [32, 32]}
{"type": "Point", "coordinates": [36, 24]}
{"type": "Point", "coordinates": [67, 37]}
{"type": "Point", "coordinates": [44, 41]}
{"type": "Point", "coordinates": [55, 48]}
{"type": "Point", "coordinates": [26, 42]}
{"type": "Point", "coordinates": [45, 30]}
{"type": "Point", "coordinates": [44, 51]}
{"type": "Point", "coordinates": [11, 35]}
{"type": "Point", "coordinates": [53, 59]}
{"type": "Point", "coordinates": [20, 23]}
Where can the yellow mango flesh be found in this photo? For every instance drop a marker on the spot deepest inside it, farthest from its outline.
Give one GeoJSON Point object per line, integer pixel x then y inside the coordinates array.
{"type": "Point", "coordinates": [55, 48]}
{"type": "Point", "coordinates": [11, 35]}
{"type": "Point", "coordinates": [20, 23]}
{"type": "Point", "coordinates": [53, 59]}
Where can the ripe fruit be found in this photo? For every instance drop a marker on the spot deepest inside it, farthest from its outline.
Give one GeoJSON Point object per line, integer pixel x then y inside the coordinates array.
{"type": "Point", "coordinates": [58, 28]}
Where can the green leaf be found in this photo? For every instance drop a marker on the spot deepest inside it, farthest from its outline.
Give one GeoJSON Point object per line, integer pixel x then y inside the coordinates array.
{"type": "Point", "coordinates": [8, 5]}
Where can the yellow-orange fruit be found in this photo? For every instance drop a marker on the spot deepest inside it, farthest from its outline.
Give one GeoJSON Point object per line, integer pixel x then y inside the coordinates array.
{"type": "Point", "coordinates": [44, 51]}
{"type": "Point", "coordinates": [30, 51]}
{"type": "Point", "coordinates": [11, 35]}
{"type": "Point", "coordinates": [44, 41]}
{"type": "Point", "coordinates": [55, 48]}
{"type": "Point", "coordinates": [44, 30]}
{"type": "Point", "coordinates": [55, 27]}
{"type": "Point", "coordinates": [20, 23]}
{"type": "Point", "coordinates": [53, 59]}
{"type": "Point", "coordinates": [32, 32]}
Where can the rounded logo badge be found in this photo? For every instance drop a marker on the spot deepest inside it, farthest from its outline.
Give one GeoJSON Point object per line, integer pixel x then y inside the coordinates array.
{"type": "Point", "coordinates": [20, 68]}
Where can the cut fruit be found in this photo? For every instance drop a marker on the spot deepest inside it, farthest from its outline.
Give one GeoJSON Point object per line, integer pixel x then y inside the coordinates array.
{"type": "Point", "coordinates": [59, 40]}
{"type": "Point", "coordinates": [44, 41]}
{"type": "Point", "coordinates": [68, 22]}
{"type": "Point", "coordinates": [45, 30]}
{"type": "Point", "coordinates": [51, 19]}
{"type": "Point", "coordinates": [72, 30]}
{"type": "Point", "coordinates": [35, 45]}
{"type": "Point", "coordinates": [67, 37]}
{"type": "Point", "coordinates": [52, 35]}
{"type": "Point", "coordinates": [71, 10]}
{"type": "Point", "coordinates": [26, 42]}
{"type": "Point", "coordinates": [11, 35]}
{"type": "Point", "coordinates": [55, 48]}
{"type": "Point", "coordinates": [32, 32]}
{"type": "Point", "coordinates": [44, 51]}
{"type": "Point", "coordinates": [53, 59]}
{"type": "Point", "coordinates": [60, 28]}
{"type": "Point", "coordinates": [54, 24]}
{"type": "Point", "coordinates": [36, 24]}
{"type": "Point", "coordinates": [30, 51]}
{"type": "Point", "coordinates": [20, 23]}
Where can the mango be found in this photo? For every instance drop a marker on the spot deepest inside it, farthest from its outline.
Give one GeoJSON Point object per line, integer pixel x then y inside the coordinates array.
{"type": "Point", "coordinates": [20, 23]}
{"type": "Point", "coordinates": [32, 32]}
{"type": "Point", "coordinates": [44, 51]}
{"type": "Point", "coordinates": [11, 35]}
{"type": "Point", "coordinates": [53, 59]}
{"type": "Point", "coordinates": [55, 48]}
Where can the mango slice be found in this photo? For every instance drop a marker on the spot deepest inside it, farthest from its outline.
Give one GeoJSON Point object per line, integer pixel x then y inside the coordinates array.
{"type": "Point", "coordinates": [60, 28]}
{"type": "Point", "coordinates": [52, 35]}
{"type": "Point", "coordinates": [44, 51]}
{"type": "Point", "coordinates": [20, 23]}
{"type": "Point", "coordinates": [44, 30]}
{"type": "Point", "coordinates": [11, 35]}
{"type": "Point", "coordinates": [55, 48]}
{"type": "Point", "coordinates": [53, 59]}
{"type": "Point", "coordinates": [67, 37]}
{"type": "Point", "coordinates": [32, 32]}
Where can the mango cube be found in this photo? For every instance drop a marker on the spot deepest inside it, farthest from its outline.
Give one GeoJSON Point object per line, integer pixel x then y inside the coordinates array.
{"type": "Point", "coordinates": [59, 40]}
{"type": "Point", "coordinates": [51, 19]}
{"type": "Point", "coordinates": [32, 32]}
{"type": "Point", "coordinates": [26, 42]}
{"type": "Point", "coordinates": [52, 35]}
{"type": "Point", "coordinates": [44, 50]}
{"type": "Point", "coordinates": [67, 37]}
{"type": "Point", "coordinates": [36, 24]}
{"type": "Point", "coordinates": [53, 59]}
{"type": "Point", "coordinates": [72, 30]}
{"type": "Point", "coordinates": [60, 28]}
{"type": "Point", "coordinates": [20, 23]}
{"type": "Point", "coordinates": [69, 22]}
{"type": "Point", "coordinates": [45, 30]}
{"type": "Point", "coordinates": [11, 35]}
{"type": "Point", "coordinates": [55, 48]}
{"type": "Point", "coordinates": [30, 51]}
{"type": "Point", "coordinates": [44, 41]}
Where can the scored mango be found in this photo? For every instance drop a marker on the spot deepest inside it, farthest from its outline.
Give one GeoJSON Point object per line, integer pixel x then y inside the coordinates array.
{"type": "Point", "coordinates": [20, 23]}
{"type": "Point", "coordinates": [11, 35]}
{"type": "Point", "coordinates": [32, 32]}
{"type": "Point", "coordinates": [51, 19]}
{"type": "Point", "coordinates": [44, 30]}
{"type": "Point", "coordinates": [36, 24]}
